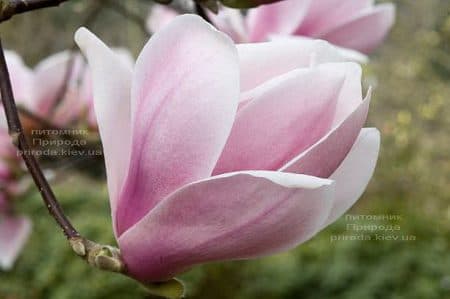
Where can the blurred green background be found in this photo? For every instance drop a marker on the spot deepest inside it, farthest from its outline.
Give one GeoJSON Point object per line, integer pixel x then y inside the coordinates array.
{"type": "Point", "coordinates": [411, 76]}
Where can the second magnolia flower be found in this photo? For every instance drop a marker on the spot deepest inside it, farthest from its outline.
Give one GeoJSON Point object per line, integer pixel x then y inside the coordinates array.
{"type": "Point", "coordinates": [216, 151]}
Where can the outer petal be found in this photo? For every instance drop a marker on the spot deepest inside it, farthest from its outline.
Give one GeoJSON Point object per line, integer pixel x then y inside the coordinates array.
{"type": "Point", "coordinates": [327, 154]}
{"type": "Point", "coordinates": [185, 98]}
{"type": "Point", "coordinates": [263, 61]}
{"type": "Point", "coordinates": [160, 16]}
{"type": "Point", "coordinates": [112, 84]}
{"type": "Point", "coordinates": [14, 232]}
{"type": "Point", "coordinates": [278, 18]}
{"type": "Point", "coordinates": [232, 216]}
{"type": "Point", "coordinates": [354, 173]}
{"type": "Point", "coordinates": [365, 31]}
{"type": "Point", "coordinates": [86, 88]}
{"type": "Point", "coordinates": [284, 117]}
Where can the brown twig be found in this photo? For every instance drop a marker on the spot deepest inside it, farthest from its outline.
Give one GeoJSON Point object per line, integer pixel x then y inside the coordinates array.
{"type": "Point", "coordinates": [9, 8]}
{"type": "Point", "coordinates": [16, 133]}
{"type": "Point", "coordinates": [100, 256]}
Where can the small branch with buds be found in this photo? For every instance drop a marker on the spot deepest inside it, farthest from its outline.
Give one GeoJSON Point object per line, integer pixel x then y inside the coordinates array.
{"type": "Point", "coordinates": [101, 256]}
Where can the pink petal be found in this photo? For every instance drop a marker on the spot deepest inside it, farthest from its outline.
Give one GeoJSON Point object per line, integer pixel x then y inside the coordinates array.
{"type": "Point", "coordinates": [231, 22]}
{"type": "Point", "coordinates": [184, 101]}
{"type": "Point", "coordinates": [232, 216]}
{"type": "Point", "coordinates": [278, 18]}
{"type": "Point", "coordinates": [260, 62]}
{"type": "Point", "coordinates": [14, 232]}
{"type": "Point", "coordinates": [336, 52]}
{"type": "Point", "coordinates": [49, 77]}
{"type": "Point", "coordinates": [86, 88]}
{"type": "Point", "coordinates": [351, 93]}
{"type": "Point", "coordinates": [326, 155]}
{"type": "Point", "coordinates": [160, 16]}
{"type": "Point", "coordinates": [112, 85]}
{"type": "Point", "coordinates": [21, 77]}
{"type": "Point", "coordinates": [365, 31]}
{"type": "Point", "coordinates": [354, 173]}
{"type": "Point", "coordinates": [324, 15]}
{"type": "Point", "coordinates": [283, 117]}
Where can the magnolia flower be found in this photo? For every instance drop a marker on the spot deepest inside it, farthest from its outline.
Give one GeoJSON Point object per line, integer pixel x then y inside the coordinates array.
{"type": "Point", "coordinates": [215, 151]}
{"type": "Point", "coordinates": [14, 229]}
{"type": "Point", "coordinates": [60, 96]}
{"type": "Point", "coordinates": [353, 24]}
{"type": "Point", "coordinates": [52, 93]}
{"type": "Point", "coordinates": [50, 75]}
{"type": "Point", "coordinates": [42, 91]}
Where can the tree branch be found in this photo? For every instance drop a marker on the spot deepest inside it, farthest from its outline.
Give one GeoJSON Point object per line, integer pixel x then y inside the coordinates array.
{"type": "Point", "coordinates": [9, 8]}
{"type": "Point", "coordinates": [19, 140]}
{"type": "Point", "coordinates": [16, 133]}
{"type": "Point", "coordinates": [104, 257]}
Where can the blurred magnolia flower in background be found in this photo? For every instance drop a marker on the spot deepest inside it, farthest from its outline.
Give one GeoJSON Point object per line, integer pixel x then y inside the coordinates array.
{"type": "Point", "coordinates": [226, 152]}
{"type": "Point", "coordinates": [14, 229]}
{"type": "Point", "coordinates": [49, 90]}
{"type": "Point", "coordinates": [355, 24]}
{"type": "Point", "coordinates": [58, 89]}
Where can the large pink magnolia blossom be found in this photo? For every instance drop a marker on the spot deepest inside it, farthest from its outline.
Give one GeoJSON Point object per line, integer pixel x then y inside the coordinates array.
{"type": "Point", "coordinates": [215, 151]}
{"type": "Point", "coordinates": [353, 24]}
{"type": "Point", "coordinates": [14, 229]}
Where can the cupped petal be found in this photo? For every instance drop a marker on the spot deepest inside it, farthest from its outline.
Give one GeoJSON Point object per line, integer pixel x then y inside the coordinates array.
{"type": "Point", "coordinates": [14, 232]}
{"type": "Point", "coordinates": [278, 18]}
{"type": "Point", "coordinates": [160, 16]}
{"type": "Point", "coordinates": [354, 173]}
{"type": "Point", "coordinates": [365, 31]}
{"type": "Point", "coordinates": [231, 216]}
{"type": "Point", "coordinates": [282, 118]}
{"type": "Point", "coordinates": [184, 101]}
{"type": "Point", "coordinates": [112, 85]}
{"type": "Point", "coordinates": [324, 157]}
{"type": "Point", "coordinates": [260, 62]}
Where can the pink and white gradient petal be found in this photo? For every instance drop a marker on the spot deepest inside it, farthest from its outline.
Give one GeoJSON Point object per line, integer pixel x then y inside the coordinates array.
{"type": "Point", "coordinates": [231, 216]}
{"type": "Point", "coordinates": [268, 132]}
{"type": "Point", "coordinates": [184, 101]}
{"type": "Point", "coordinates": [112, 87]}
{"type": "Point", "coordinates": [279, 18]}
